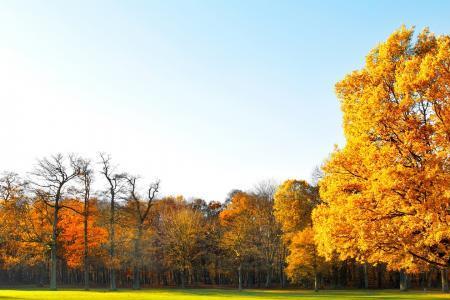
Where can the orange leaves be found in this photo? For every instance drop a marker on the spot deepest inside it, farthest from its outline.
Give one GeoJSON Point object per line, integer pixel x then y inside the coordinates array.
{"type": "Point", "coordinates": [71, 235]}
{"type": "Point", "coordinates": [241, 204]}
{"type": "Point", "coordinates": [238, 220]}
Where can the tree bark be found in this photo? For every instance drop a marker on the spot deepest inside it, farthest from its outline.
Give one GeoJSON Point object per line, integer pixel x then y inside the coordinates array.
{"type": "Point", "coordinates": [240, 276]}
{"type": "Point", "coordinates": [444, 280]}
{"type": "Point", "coordinates": [85, 257]}
{"type": "Point", "coordinates": [282, 260]}
{"type": "Point", "coordinates": [316, 277]}
{"type": "Point", "coordinates": [403, 281]}
{"type": "Point", "coordinates": [316, 281]}
{"type": "Point", "coordinates": [366, 275]}
{"type": "Point", "coordinates": [137, 259]}
{"type": "Point", "coordinates": [182, 279]}
{"type": "Point", "coordinates": [112, 278]}
{"type": "Point", "coordinates": [42, 268]}
{"type": "Point", "coordinates": [53, 256]}
{"type": "Point", "coordinates": [268, 278]}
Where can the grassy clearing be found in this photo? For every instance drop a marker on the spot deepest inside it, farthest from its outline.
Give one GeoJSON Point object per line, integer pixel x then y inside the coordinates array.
{"type": "Point", "coordinates": [211, 294]}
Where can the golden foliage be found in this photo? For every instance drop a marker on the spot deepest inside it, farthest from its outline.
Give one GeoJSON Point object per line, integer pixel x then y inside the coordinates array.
{"type": "Point", "coordinates": [386, 191]}
{"type": "Point", "coordinates": [294, 203]}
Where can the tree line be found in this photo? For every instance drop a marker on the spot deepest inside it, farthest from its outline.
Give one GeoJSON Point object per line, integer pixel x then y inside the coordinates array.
{"type": "Point", "coordinates": [57, 230]}
{"type": "Point", "coordinates": [377, 215]}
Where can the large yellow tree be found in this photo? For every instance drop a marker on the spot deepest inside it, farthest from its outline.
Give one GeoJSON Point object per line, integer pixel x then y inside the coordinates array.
{"type": "Point", "coordinates": [386, 193]}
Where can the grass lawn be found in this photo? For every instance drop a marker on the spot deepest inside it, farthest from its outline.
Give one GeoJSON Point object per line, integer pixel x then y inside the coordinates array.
{"type": "Point", "coordinates": [211, 294]}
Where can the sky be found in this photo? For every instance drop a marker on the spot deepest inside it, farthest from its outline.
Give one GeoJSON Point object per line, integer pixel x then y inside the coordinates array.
{"type": "Point", "coordinates": [207, 96]}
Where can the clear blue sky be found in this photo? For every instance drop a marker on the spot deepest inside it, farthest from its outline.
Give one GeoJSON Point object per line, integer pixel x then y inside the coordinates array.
{"type": "Point", "coordinates": [205, 95]}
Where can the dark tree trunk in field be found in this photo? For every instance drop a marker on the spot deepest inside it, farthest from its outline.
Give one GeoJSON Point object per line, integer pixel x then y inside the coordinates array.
{"type": "Point", "coordinates": [403, 281]}
{"type": "Point", "coordinates": [86, 178]}
{"type": "Point", "coordinates": [137, 259]}
{"type": "Point", "coordinates": [240, 277]}
{"type": "Point", "coordinates": [112, 275]}
{"type": "Point", "coordinates": [316, 276]}
{"type": "Point", "coordinates": [366, 275]}
{"type": "Point", "coordinates": [85, 256]}
{"type": "Point", "coordinates": [136, 278]}
{"type": "Point", "coordinates": [183, 278]}
{"type": "Point", "coordinates": [41, 274]}
{"type": "Point", "coordinates": [141, 213]}
{"type": "Point", "coordinates": [53, 257]}
{"type": "Point", "coordinates": [268, 278]}
{"type": "Point", "coordinates": [114, 187]}
{"type": "Point", "coordinates": [429, 279]}
{"type": "Point", "coordinates": [316, 281]}
{"type": "Point", "coordinates": [282, 278]}
{"type": "Point", "coordinates": [444, 279]}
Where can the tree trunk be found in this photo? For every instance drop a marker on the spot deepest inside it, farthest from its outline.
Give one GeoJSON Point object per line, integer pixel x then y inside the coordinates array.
{"type": "Point", "coordinates": [85, 258]}
{"type": "Point", "coordinates": [366, 276]}
{"type": "Point", "coordinates": [403, 281]}
{"type": "Point", "coordinates": [182, 279]}
{"type": "Point", "coordinates": [316, 277]}
{"type": "Point", "coordinates": [112, 274]}
{"type": "Point", "coordinates": [268, 277]}
{"type": "Point", "coordinates": [53, 248]}
{"type": "Point", "coordinates": [444, 280]}
{"type": "Point", "coordinates": [42, 268]}
{"type": "Point", "coordinates": [240, 276]}
{"type": "Point", "coordinates": [430, 279]}
{"type": "Point", "coordinates": [137, 259]}
{"type": "Point", "coordinates": [316, 281]}
{"type": "Point", "coordinates": [282, 259]}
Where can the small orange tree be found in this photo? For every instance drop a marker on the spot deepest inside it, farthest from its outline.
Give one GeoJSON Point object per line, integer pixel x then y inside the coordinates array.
{"type": "Point", "coordinates": [72, 232]}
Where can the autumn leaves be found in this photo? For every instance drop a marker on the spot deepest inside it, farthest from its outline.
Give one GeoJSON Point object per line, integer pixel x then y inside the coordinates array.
{"type": "Point", "coordinates": [386, 193]}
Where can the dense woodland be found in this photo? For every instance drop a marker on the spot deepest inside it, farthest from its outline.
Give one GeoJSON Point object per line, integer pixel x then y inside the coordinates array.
{"type": "Point", "coordinates": [377, 214]}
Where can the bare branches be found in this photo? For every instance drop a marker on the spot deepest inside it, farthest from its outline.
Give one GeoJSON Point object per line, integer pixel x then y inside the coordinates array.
{"type": "Point", "coordinates": [138, 200]}
{"type": "Point", "coordinates": [153, 190]}
{"type": "Point", "coordinates": [53, 173]}
{"type": "Point", "coordinates": [11, 185]}
{"type": "Point", "coordinates": [115, 180]}
{"type": "Point", "coordinates": [51, 177]}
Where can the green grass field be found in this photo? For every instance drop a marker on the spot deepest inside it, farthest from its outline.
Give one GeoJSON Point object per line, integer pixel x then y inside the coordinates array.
{"type": "Point", "coordinates": [211, 294]}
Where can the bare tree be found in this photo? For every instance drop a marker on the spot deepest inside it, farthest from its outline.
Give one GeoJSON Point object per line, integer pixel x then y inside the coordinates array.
{"type": "Point", "coordinates": [141, 208]}
{"type": "Point", "coordinates": [50, 179]}
{"type": "Point", "coordinates": [11, 185]}
{"type": "Point", "coordinates": [115, 188]}
{"type": "Point", "coordinates": [11, 191]}
{"type": "Point", "coordinates": [86, 178]}
{"type": "Point", "coordinates": [266, 189]}
{"type": "Point", "coordinates": [316, 175]}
